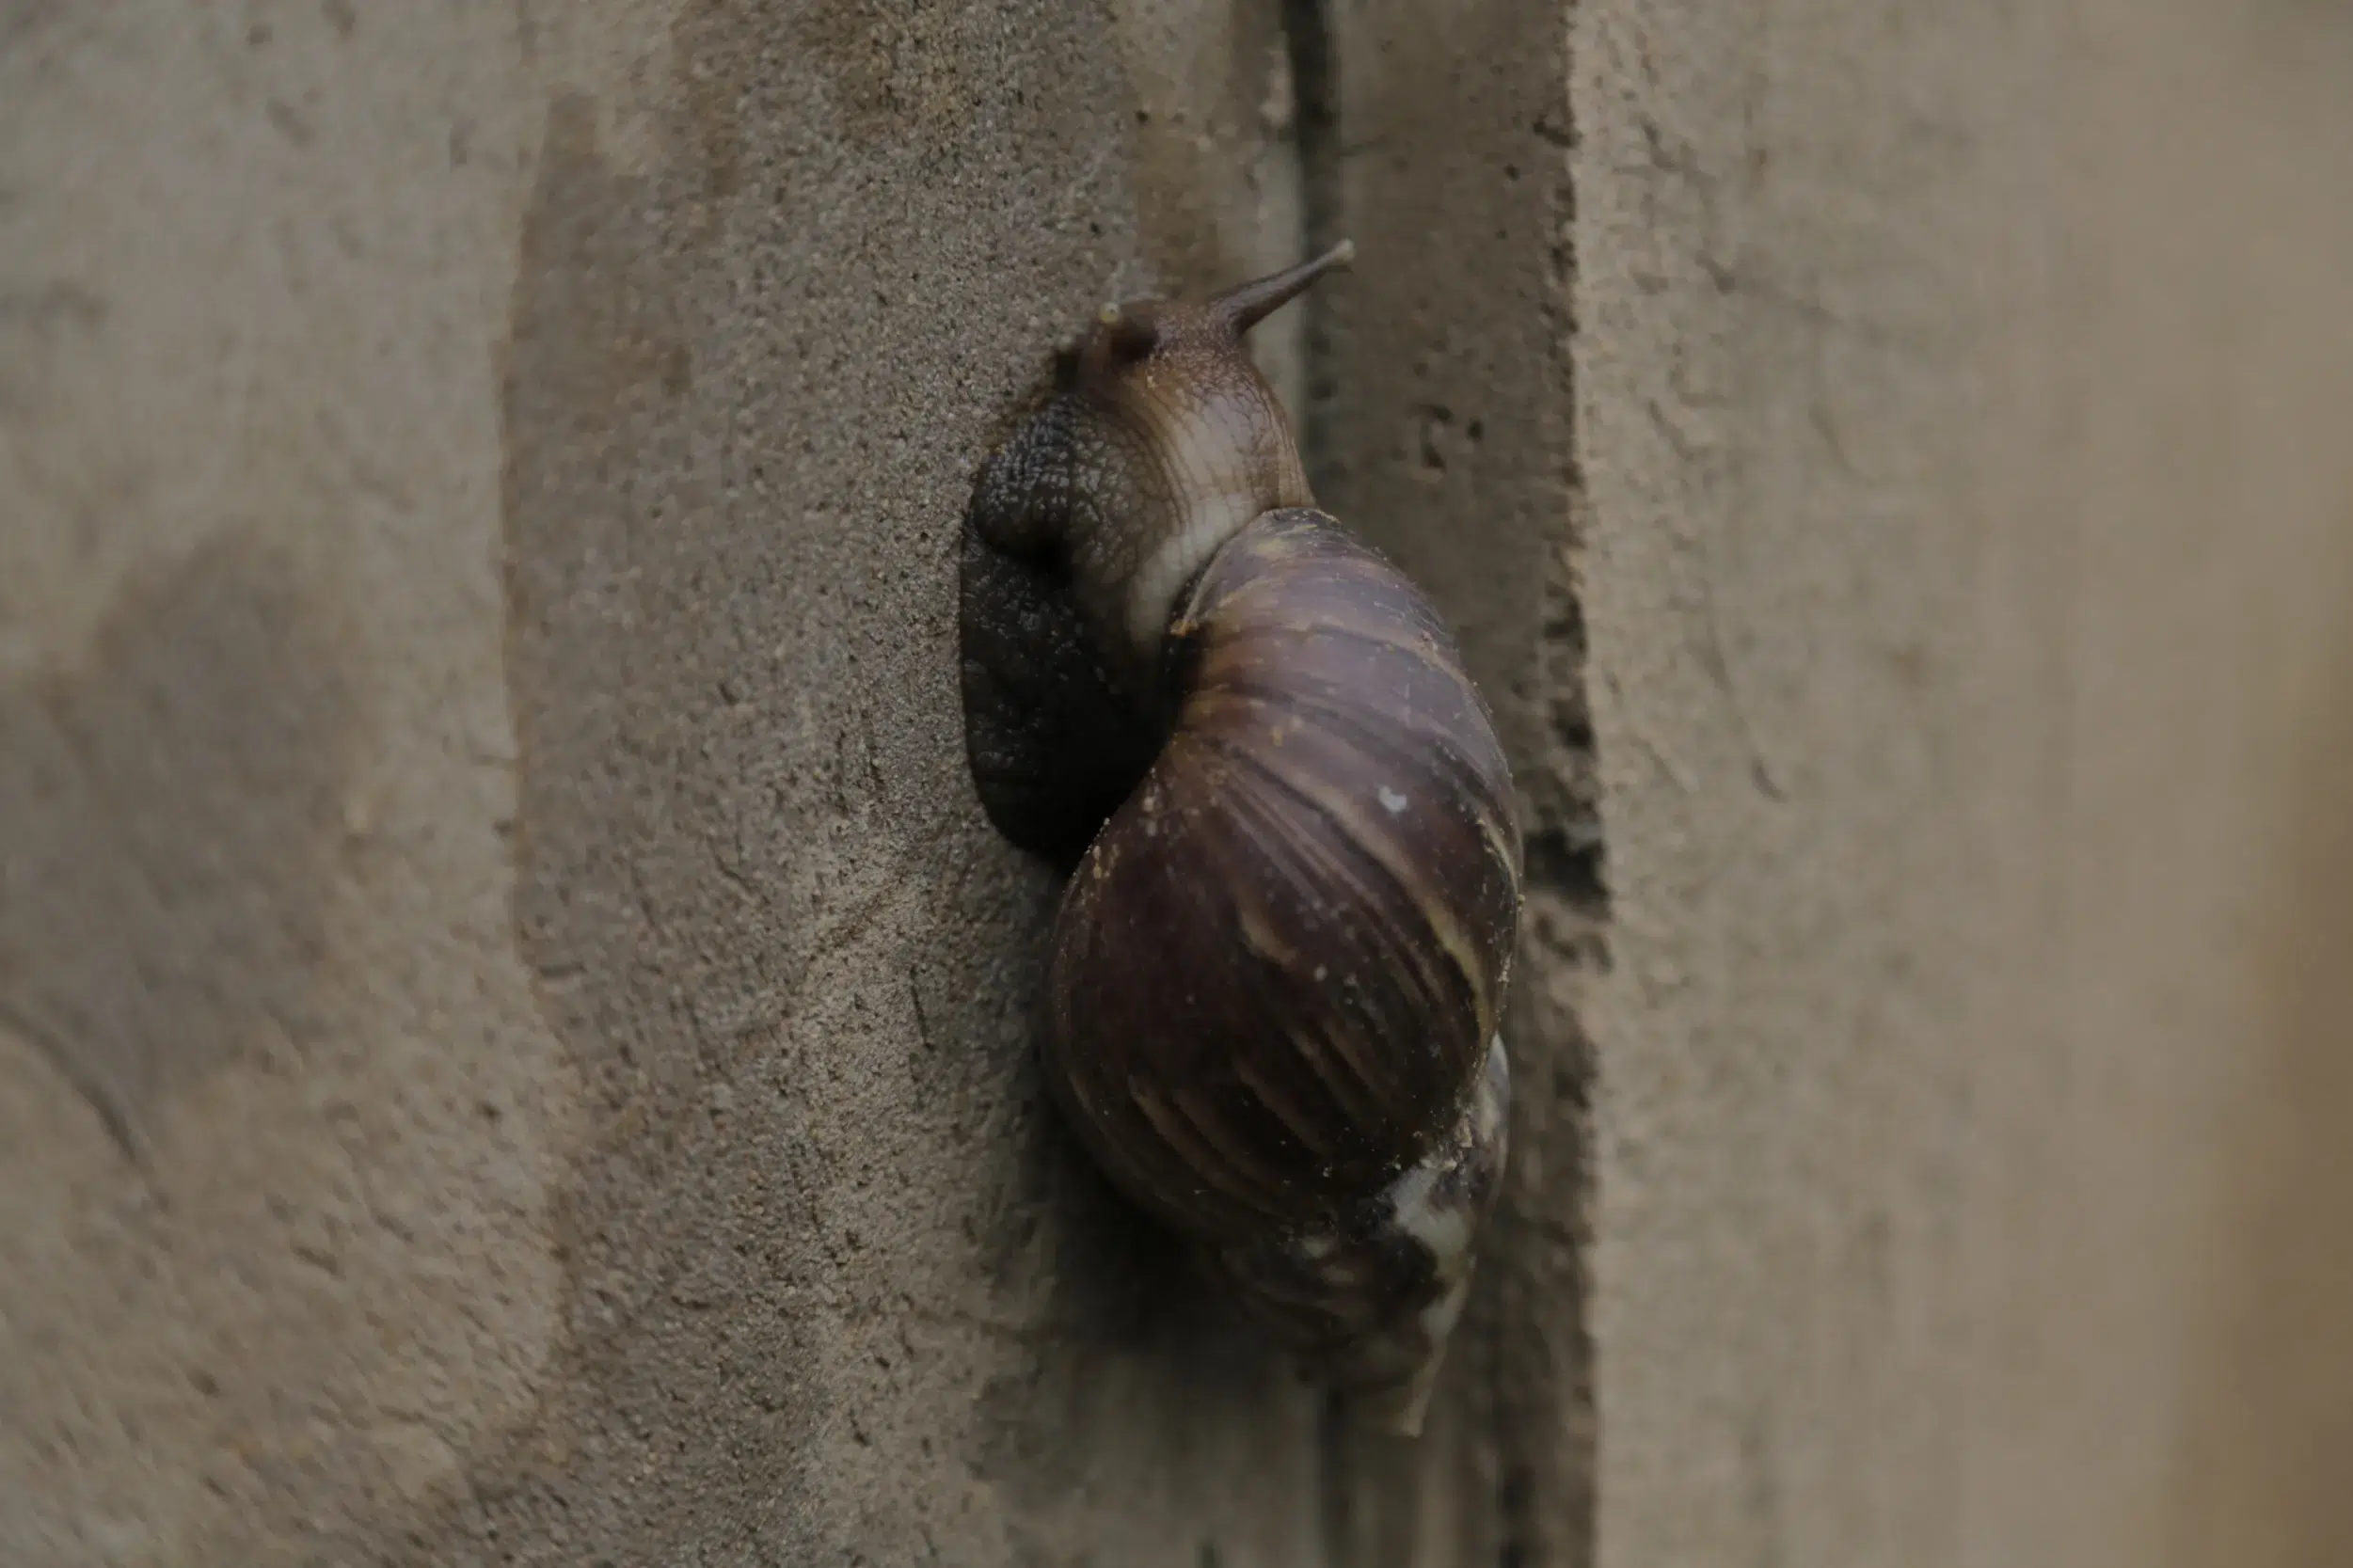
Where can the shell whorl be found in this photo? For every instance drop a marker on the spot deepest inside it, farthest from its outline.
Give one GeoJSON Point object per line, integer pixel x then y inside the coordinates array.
{"type": "Point", "coordinates": [1367, 1302]}
{"type": "Point", "coordinates": [1278, 968]}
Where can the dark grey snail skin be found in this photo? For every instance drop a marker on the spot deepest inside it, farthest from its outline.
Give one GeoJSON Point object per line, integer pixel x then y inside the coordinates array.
{"type": "Point", "coordinates": [1278, 966]}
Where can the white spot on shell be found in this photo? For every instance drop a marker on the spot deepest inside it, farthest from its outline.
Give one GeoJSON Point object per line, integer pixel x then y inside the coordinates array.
{"type": "Point", "coordinates": [1440, 1227]}
{"type": "Point", "coordinates": [1392, 801]}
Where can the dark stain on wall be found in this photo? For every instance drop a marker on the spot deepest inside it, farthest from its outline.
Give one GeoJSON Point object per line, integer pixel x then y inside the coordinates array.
{"type": "Point", "coordinates": [172, 815]}
{"type": "Point", "coordinates": [2271, 1392]}
{"type": "Point", "coordinates": [656, 988]}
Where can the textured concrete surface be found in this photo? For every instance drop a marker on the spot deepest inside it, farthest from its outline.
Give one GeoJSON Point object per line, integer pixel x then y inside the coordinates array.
{"type": "Point", "coordinates": [1961, 401]}
{"type": "Point", "coordinates": [1438, 424]}
{"type": "Point", "coordinates": [512, 1033]}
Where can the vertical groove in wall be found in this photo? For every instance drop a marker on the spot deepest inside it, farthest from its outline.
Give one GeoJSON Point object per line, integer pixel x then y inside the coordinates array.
{"type": "Point", "coordinates": [1543, 1405]}
{"type": "Point", "coordinates": [1546, 1435]}
{"type": "Point", "coordinates": [1315, 129]}
{"type": "Point", "coordinates": [1439, 424]}
{"type": "Point", "coordinates": [1315, 119]}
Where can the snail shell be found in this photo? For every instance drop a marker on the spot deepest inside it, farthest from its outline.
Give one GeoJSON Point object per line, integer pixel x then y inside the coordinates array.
{"type": "Point", "coordinates": [1278, 967]}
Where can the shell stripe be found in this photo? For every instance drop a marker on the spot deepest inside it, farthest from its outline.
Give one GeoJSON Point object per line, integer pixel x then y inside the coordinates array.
{"type": "Point", "coordinates": [1396, 954]}
{"type": "Point", "coordinates": [1382, 850]}
{"type": "Point", "coordinates": [1343, 1074]}
{"type": "Point", "coordinates": [1203, 1155]}
{"type": "Point", "coordinates": [1459, 779]}
{"type": "Point", "coordinates": [1399, 1101]}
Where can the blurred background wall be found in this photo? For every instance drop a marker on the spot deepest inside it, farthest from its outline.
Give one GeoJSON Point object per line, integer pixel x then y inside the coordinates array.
{"type": "Point", "coordinates": [1962, 393]}
{"type": "Point", "coordinates": [513, 1030]}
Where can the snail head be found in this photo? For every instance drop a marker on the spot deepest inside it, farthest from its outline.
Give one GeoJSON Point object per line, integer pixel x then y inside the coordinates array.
{"type": "Point", "coordinates": [1138, 338]}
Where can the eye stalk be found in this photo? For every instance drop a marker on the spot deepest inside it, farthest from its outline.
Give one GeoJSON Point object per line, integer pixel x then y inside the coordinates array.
{"type": "Point", "coordinates": [1125, 332]}
{"type": "Point", "coordinates": [1246, 304]}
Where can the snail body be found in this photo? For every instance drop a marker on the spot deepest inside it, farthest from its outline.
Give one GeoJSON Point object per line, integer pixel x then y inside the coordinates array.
{"type": "Point", "coordinates": [1278, 967]}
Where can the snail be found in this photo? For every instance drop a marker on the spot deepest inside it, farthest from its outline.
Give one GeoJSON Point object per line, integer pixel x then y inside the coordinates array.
{"type": "Point", "coordinates": [1278, 964]}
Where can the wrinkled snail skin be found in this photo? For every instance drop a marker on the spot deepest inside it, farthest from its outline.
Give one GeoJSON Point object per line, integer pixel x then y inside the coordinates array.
{"type": "Point", "coordinates": [1160, 441]}
{"type": "Point", "coordinates": [1277, 972]}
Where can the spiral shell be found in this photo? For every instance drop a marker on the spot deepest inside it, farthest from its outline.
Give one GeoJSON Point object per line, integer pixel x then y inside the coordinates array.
{"type": "Point", "coordinates": [1367, 1302]}
{"type": "Point", "coordinates": [1277, 971]}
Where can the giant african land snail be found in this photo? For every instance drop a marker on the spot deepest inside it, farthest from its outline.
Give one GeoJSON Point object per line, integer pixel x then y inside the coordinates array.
{"type": "Point", "coordinates": [1279, 963]}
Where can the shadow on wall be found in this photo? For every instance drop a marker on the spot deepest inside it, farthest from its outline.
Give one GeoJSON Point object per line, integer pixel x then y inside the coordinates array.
{"type": "Point", "coordinates": [2271, 1419]}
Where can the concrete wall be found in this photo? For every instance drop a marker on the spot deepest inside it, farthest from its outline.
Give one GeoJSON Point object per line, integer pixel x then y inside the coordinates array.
{"type": "Point", "coordinates": [513, 1039]}
{"type": "Point", "coordinates": [515, 1028]}
{"type": "Point", "coordinates": [1962, 402]}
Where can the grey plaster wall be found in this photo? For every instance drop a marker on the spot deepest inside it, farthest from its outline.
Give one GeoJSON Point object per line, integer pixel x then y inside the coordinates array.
{"type": "Point", "coordinates": [1961, 399]}
{"type": "Point", "coordinates": [513, 1029]}
{"type": "Point", "coordinates": [514, 1033]}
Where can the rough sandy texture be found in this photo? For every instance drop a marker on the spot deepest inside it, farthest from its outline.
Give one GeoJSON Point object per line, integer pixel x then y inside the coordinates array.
{"type": "Point", "coordinates": [1961, 397]}
{"type": "Point", "coordinates": [513, 1037]}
